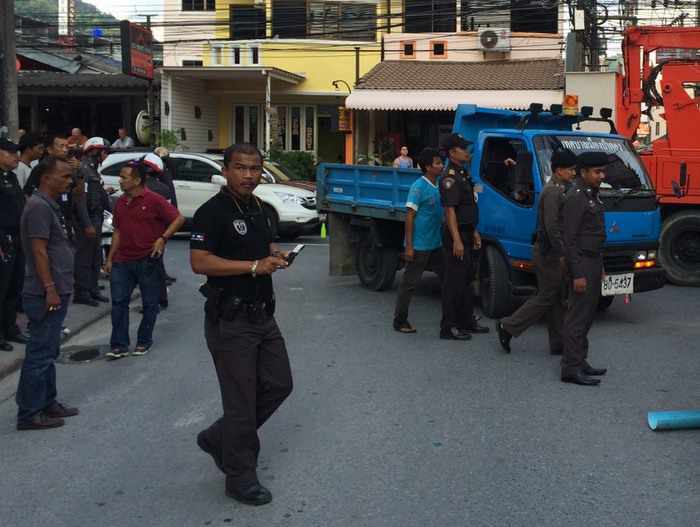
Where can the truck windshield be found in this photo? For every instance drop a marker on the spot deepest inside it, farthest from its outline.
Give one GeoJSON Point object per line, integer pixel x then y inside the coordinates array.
{"type": "Point", "coordinates": [624, 173]}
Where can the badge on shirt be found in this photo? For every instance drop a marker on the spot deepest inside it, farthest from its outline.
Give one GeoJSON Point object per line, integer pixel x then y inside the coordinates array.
{"type": "Point", "coordinates": [448, 182]}
{"type": "Point", "coordinates": [240, 226]}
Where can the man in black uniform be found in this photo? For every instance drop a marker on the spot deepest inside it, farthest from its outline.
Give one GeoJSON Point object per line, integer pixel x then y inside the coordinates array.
{"type": "Point", "coordinates": [584, 235]}
{"type": "Point", "coordinates": [548, 254]}
{"type": "Point", "coordinates": [232, 245]}
{"type": "Point", "coordinates": [11, 206]}
{"type": "Point", "coordinates": [459, 237]}
{"type": "Point", "coordinates": [88, 255]}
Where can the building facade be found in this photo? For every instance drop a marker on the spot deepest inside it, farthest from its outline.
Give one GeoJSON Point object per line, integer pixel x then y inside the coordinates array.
{"type": "Point", "coordinates": [275, 72]}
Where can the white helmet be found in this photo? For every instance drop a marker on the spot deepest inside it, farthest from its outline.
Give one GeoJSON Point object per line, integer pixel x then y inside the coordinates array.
{"type": "Point", "coordinates": [153, 162]}
{"type": "Point", "coordinates": [95, 142]}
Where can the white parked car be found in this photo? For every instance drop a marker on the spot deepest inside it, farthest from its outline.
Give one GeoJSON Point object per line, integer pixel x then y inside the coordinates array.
{"type": "Point", "coordinates": [198, 177]}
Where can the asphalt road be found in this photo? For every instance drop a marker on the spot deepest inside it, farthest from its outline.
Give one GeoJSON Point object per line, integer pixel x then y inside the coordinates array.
{"type": "Point", "coordinates": [383, 429]}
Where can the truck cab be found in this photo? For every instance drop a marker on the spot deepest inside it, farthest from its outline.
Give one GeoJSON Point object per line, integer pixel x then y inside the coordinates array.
{"type": "Point", "coordinates": [508, 194]}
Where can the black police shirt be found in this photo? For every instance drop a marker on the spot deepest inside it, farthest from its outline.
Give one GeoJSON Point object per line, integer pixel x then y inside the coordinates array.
{"type": "Point", "coordinates": [221, 228]}
{"type": "Point", "coordinates": [11, 203]}
{"type": "Point", "coordinates": [457, 191]}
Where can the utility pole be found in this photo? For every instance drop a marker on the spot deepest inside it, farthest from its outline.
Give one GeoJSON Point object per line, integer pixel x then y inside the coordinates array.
{"type": "Point", "coordinates": [592, 34]}
{"type": "Point", "coordinates": [151, 97]}
{"type": "Point", "coordinates": [9, 114]}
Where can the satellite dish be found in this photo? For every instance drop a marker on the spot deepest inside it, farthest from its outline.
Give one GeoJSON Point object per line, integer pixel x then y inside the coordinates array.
{"type": "Point", "coordinates": [489, 39]}
{"type": "Point", "coordinates": [143, 128]}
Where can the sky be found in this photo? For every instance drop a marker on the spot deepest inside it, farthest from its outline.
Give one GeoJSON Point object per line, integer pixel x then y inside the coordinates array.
{"type": "Point", "coordinates": [128, 8]}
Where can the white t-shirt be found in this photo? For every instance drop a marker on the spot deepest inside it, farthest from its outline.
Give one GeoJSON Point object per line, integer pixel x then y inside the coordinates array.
{"type": "Point", "coordinates": [121, 144]}
{"type": "Point", "coordinates": [23, 170]}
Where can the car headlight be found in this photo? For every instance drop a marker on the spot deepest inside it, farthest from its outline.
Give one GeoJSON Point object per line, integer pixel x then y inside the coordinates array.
{"type": "Point", "coordinates": [651, 255]}
{"type": "Point", "coordinates": [640, 256]}
{"type": "Point", "coordinates": [289, 198]}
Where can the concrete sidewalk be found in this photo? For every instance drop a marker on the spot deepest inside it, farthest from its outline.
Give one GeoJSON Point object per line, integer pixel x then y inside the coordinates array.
{"type": "Point", "coordinates": [79, 317]}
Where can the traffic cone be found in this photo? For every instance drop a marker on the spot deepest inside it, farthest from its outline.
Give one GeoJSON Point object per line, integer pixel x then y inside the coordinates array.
{"type": "Point", "coordinates": [324, 233]}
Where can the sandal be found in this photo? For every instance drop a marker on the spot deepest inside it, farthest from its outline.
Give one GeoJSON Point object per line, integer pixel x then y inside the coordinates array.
{"type": "Point", "coordinates": [404, 327]}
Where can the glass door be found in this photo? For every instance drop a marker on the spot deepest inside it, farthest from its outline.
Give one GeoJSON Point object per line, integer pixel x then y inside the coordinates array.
{"type": "Point", "coordinates": [247, 126]}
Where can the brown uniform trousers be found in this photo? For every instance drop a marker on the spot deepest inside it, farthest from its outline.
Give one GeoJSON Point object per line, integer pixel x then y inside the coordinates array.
{"type": "Point", "coordinates": [549, 301]}
{"type": "Point", "coordinates": [579, 317]}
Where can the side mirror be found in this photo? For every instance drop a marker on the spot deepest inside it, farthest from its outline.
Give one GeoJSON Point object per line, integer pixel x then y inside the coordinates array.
{"type": "Point", "coordinates": [218, 179]}
{"type": "Point", "coordinates": [677, 191]}
{"type": "Point", "coordinates": [684, 174]}
{"type": "Point", "coordinates": [679, 187]}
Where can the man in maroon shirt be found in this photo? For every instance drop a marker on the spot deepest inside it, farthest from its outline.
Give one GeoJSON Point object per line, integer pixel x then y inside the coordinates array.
{"type": "Point", "coordinates": [143, 223]}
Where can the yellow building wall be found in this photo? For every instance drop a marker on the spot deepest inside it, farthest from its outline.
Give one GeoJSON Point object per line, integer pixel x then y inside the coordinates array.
{"type": "Point", "coordinates": [389, 20]}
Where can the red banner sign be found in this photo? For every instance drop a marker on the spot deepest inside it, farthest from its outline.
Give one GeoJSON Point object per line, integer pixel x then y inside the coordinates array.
{"type": "Point", "coordinates": [137, 50]}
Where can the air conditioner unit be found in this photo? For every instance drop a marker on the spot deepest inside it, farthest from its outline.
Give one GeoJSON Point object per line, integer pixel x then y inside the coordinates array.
{"type": "Point", "coordinates": [494, 39]}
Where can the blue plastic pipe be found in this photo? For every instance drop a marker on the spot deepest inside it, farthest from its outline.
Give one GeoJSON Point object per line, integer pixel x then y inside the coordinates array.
{"type": "Point", "coordinates": [674, 420]}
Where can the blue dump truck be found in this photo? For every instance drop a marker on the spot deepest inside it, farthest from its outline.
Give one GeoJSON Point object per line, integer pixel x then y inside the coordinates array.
{"type": "Point", "coordinates": [366, 206]}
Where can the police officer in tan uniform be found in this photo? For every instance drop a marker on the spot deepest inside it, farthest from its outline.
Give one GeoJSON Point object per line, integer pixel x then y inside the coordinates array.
{"type": "Point", "coordinates": [584, 235]}
{"type": "Point", "coordinates": [548, 254]}
{"type": "Point", "coordinates": [460, 236]}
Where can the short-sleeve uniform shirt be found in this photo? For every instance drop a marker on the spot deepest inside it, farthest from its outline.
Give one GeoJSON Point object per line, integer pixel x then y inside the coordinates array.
{"type": "Point", "coordinates": [457, 191]}
{"type": "Point", "coordinates": [235, 230]}
{"type": "Point", "coordinates": [424, 198]}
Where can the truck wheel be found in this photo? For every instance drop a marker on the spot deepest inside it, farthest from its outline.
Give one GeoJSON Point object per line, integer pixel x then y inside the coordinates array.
{"type": "Point", "coordinates": [495, 284]}
{"type": "Point", "coordinates": [679, 248]}
{"type": "Point", "coordinates": [376, 266]}
{"type": "Point", "coordinates": [604, 302]}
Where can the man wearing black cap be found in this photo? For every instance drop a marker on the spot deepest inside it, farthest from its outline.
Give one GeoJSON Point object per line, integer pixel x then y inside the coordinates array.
{"type": "Point", "coordinates": [584, 235]}
{"type": "Point", "coordinates": [11, 206]}
{"type": "Point", "coordinates": [549, 260]}
{"type": "Point", "coordinates": [459, 237]}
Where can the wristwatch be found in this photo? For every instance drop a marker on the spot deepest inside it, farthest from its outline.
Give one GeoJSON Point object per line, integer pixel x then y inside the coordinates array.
{"type": "Point", "coordinates": [253, 268]}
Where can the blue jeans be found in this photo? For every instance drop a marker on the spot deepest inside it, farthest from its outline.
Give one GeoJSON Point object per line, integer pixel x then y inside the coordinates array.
{"type": "Point", "coordinates": [123, 279]}
{"type": "Point", "coordinates": [37, 382]}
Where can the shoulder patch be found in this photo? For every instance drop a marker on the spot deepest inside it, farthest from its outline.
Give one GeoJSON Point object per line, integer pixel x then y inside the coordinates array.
{"type": "Point", "coordinates": [448, 182]}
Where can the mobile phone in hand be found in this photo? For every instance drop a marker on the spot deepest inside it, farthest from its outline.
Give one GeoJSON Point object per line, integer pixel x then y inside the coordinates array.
{"type": "Point", "coordinates": [293, 253]}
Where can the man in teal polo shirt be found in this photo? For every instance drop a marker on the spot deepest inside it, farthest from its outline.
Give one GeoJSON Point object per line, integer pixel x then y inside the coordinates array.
{"type": "Point", "coordinates": [423, 234]}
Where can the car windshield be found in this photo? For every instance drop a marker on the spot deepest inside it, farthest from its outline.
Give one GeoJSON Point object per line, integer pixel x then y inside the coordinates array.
{"type": "Point", "coordinates": [625, 172]}
{"type": "Point", "coordinates": [277, 171]}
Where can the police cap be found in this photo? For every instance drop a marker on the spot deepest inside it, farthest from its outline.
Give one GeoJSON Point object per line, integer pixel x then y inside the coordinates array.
{"type": "Point", "coordinates": [593, 159]}
{"type": "Point", "coordinates": [563, 158]}
{"type": "Point", "coordinates": [8, 146]}
{"type": "Point", "coordinates": [456, 141]}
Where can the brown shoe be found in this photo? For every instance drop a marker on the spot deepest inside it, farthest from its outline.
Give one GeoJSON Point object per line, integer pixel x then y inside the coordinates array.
{"type": "Point", "coordinates": [58, 410]}
{"type": "Point", "coordinates": [40, 421]}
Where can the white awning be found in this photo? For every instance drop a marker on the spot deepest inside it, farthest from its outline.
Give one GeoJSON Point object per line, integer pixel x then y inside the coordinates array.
{"type": "Point", "coordinates": [448, 100]}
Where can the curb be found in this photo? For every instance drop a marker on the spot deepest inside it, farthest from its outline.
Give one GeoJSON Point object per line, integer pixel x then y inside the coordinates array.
{"type": "Point", "coordinates": [15, 364]}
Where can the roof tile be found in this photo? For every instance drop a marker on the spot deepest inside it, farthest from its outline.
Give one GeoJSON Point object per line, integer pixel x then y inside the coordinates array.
{"type": "Point", "coordinates": [540, 74]}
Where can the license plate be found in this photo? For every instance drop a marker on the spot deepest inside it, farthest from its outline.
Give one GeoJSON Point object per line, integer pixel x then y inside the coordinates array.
{"type": "Point", "coordinates": [618, 284]}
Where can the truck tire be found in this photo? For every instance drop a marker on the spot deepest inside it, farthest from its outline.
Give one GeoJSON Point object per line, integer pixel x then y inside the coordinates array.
{"type": "Point", "coordinates": [679, 248]}
{"type": "Point", "coordinates": [495, 291]}
{"type": "Point", "coordinates": [376, 266]}
{"type": "Point", "coordinates": [604, 302]}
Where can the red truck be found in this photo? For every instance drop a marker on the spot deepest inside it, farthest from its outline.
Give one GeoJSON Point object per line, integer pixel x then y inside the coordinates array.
{"type": "Point", "coordinates": [673, 161]}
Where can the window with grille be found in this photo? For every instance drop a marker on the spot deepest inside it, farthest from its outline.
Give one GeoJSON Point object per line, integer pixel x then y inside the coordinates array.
{"type": "Point", "coordinates": [246, 23]}
{"type": "Point", "coordinates": [430, 16]}
{"type": "Point", "coordinates": [289, 18]}
{"type": "Point", "coordinates": [199, 5]}
{"type": "Point", "coordinates": [342, 21]}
